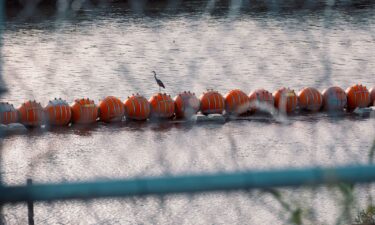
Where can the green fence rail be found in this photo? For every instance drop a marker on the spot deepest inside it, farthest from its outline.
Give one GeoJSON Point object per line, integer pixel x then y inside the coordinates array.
{"type": "Point", "coordinates": [188, 184]}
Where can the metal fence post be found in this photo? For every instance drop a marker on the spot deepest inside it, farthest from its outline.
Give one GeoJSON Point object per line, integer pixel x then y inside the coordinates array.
{"type": "Point", "coordinates": [30, 205]}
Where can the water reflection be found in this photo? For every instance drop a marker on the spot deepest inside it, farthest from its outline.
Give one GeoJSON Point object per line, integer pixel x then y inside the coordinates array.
{"type": "Point", "coordinates": [84, 129]}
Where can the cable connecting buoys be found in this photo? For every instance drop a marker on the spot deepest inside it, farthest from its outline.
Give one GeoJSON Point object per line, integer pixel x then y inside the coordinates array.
{"type": "Point", "coordinates": [111, 109]}
{"type": "Point", "coordinates": [8, 114]}
{"type": "Point", "coordinates": [58, 112]}
{"type": "Point", "coordinates": [137, 107]}
{"type": "Point", "coordinates": [84, 111]}
{"type": "Point", "coordinates": [358, 96]}
{"type": "Point", "coordinates": [236, 102]}
{"type": "Point", "coordinates": [372, 96]}
{"type": "Point", "coordinates": [285, 100]}
{"type": "Point", "coordinates": [31, 114]}
{"type": "Point", "coordinates": [310, 99]}
{"type": "Point", "coordinates": [260, 98]}
{"type": "Point", "coordinates": [186, 104]}
{"type": "Point", "coordinates": [212, 102]}
{"type": "Point", "coordinates": [334, 99]}
{"type": "Point", "coordinates": [162, 106]}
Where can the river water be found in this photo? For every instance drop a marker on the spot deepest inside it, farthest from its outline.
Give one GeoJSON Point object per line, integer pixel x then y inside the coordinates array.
{"type": "Point", "coordinates": [110, 51]}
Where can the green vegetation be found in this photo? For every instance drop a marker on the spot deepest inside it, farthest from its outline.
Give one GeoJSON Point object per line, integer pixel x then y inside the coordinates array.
{"type": "Point", "coordinates": [366, 216]}
{"type": "Point", "coordinates": [298, 212]}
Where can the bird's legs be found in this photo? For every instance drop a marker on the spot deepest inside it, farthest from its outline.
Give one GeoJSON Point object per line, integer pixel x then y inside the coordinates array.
{"type": "Point", "coordinates": [159, 89]}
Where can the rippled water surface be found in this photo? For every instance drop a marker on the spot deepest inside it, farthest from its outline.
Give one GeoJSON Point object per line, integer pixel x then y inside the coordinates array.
{"type": "Point", "coordinates": [112, 52]}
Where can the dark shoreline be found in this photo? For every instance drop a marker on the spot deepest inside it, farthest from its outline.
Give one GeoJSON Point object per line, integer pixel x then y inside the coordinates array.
{"type": "Point", "coordinates": [257, 4]}
{"type": "Point", "coordinates": [31, 10]}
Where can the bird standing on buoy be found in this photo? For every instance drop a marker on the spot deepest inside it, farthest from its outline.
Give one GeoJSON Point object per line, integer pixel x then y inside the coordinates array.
{"type": "Point", "coordinates": [161, 85]}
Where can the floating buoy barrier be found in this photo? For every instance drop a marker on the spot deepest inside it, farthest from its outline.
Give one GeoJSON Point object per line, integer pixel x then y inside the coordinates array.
{"type": "Point", "coordinates": [31, 114]}
{"type": "Point", "coordinates": [111, 109]}
{"type": "Point", "coordinates": [372, 96]}
{"type": "Point", "coordinates": [358, 96]}
{"type": "Point", "coordinates": [186, 104]}
{"type": "Point", "coordinates": [285, 100]}
{"type": "Point", "coordinates": [212, 102]}
{"type": "Point", "coordinates": [211, 105]}
{"type": "Point", "coordinates": [162, 106]}
{"type": "Point", "coordinates": [8, 114]}
{"type": "Point", "coordinates": [137, 107]}
{"type": "Point", "coordinates": [58, 112]}
{"type": "Point", "coordinates": [236, 102]}
{"type": "Point", "coordinates": [260, 97]}
{"type": "Point", "coordinates": [310, 99]}
{"type": "Point", "coordinates": [84, 111]}
{"type": "Point", "coordinates": [334, 99]}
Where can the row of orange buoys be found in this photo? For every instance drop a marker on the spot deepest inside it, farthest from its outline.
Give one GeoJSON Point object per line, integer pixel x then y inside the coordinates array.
{"type": "Point", "coordinates": [161, 106]}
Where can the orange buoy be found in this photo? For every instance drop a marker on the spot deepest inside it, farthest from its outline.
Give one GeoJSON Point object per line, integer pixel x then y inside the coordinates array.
{"type": "Point", "coordinates": [310, 99]}
{"type": "Point", "coordinates": [285, 100]}
{"type": "Point", "coordinates": [162, 106]}
{"type": "Point", "coordinates": [260, 97]}
{"type": "Point", "coordinates": [8, 114]}
{"type": "Point", "coordinates": [186, 104]}
{"type": "Point", "coordinates": [31, 113]}
{"type": "Point", "coordinates": [111, 109]}
{"type": "Point", "coordinates": [358, 96]}
{"type": "Point", "coordinates": [334, 99]}
{"type": "Point", "coordinates": [58, 112]}
{"type": "Point", "coordinates": [372, 96]}
{"type": "Point", "coordinates": [212, 102]}
{"type": "Point", "coordinates": [84, 111]}
{"type": "Point", "coordinates": [236, 102]}
{"type": "Point", "coordinates": [137, 107]}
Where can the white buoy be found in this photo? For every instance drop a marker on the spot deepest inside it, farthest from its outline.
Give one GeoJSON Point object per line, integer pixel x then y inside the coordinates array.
{"type": "Point", "coordinates": [13, 128]}
{"type": "Point", "coordinates": [364, 111]}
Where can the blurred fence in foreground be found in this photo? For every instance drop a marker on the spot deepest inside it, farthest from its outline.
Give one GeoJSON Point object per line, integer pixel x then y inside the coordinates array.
{"type": "Point", "coordinates": [166, 185]}
{"type": "Point", "coordinates": [184, 184]}
{"type": "Point", "coordinates": [188, 184]}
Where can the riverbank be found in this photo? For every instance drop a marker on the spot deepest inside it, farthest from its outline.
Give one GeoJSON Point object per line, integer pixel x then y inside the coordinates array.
{"type": "Point", "coordinates": [30, 10]}
{"type": "Point", "coordinates": [255, 4]}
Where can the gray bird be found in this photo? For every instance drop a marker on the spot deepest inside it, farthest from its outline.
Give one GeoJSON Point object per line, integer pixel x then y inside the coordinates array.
{"type": "Point", "coordinates": [161, 85]}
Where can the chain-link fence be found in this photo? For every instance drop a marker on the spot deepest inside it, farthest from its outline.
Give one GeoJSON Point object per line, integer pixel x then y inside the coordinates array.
{"type": "Point", "coordinates": [74, 49]}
